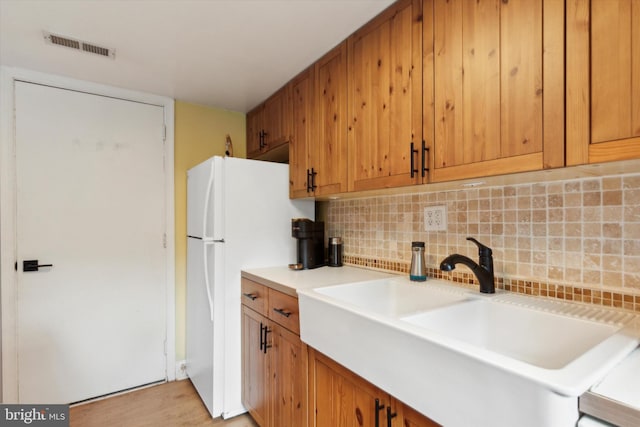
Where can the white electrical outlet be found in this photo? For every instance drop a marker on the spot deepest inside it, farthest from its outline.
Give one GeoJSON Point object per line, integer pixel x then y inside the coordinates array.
{"type": "Point", "coordinates": [181, 370]}
{"type": "Point", "coordinates": [435, 218]}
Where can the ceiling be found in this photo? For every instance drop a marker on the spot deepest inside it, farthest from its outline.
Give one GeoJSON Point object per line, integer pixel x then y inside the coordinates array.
{"type": "Point", "coordinates": [230, 54]}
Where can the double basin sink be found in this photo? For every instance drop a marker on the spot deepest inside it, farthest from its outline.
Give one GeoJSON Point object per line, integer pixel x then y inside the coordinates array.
{"type": "Point", "coordinates": [465, 358]}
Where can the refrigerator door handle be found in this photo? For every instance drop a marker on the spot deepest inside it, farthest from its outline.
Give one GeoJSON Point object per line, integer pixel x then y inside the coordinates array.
{"type": "Point", "coordinates": [207, 199]}
{"type": "Point", "coordinates": [206, 279]}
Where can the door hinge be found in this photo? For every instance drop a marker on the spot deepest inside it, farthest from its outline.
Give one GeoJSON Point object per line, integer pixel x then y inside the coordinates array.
{"type": "Point", "coordinates": [164, 240]}
{"type": "Point", "coordinates": [164, 132]}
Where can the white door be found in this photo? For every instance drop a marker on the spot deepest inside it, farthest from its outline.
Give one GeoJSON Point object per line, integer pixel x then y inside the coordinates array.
{"type": "Point", "coordinates": [90, 201]}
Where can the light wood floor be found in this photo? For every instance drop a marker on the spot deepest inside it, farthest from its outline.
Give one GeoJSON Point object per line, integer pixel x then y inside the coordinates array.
{"type": "Point", "coordinates": [170, 404]}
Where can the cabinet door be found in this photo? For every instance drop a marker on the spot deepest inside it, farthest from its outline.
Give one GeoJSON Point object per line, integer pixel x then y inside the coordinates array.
{"type": "Point", "coordinates": [385, 98]}
{"type": "Point", "coordinates": [302, 115]}
{"type": "Point", "coordinates": [490, 62]}
{"type": "Point", "coordinates": [340, 398]}
{"type": "Point", "coordinates": [277, 123]}
{"type": "Point", "coordinates": [603, 93]}
{"type": "Point", "coordinates": [288, 358]}
{"type": "Point", "coordinates": [412, 418]}
{"type": "Point", "coordinates": [328, 150]}
{"type": "Point", "coordinates": [255, 375]}
{"type": "Point", "coordinates": [254, 131]}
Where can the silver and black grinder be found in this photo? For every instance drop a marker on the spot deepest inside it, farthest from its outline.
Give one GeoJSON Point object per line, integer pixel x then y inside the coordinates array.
{"type": "Point", "coordinates": [418, 272]}
{"type": "Point", "coordinates": [335, 252]}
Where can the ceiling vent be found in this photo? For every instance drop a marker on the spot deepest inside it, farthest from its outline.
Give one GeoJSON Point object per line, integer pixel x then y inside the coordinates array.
{"type": "Point", "coordinates": [79, 45]}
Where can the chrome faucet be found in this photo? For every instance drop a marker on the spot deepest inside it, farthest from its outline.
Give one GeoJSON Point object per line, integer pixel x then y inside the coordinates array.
{"type": "Point", "coordinates": [483, 271]}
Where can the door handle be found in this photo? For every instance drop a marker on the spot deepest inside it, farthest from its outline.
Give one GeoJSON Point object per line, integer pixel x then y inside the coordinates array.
{"type": "Point", "coordinates": [32, 265]}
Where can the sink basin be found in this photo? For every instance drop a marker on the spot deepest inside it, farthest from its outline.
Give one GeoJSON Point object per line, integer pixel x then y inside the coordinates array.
{"type": "Point", "coordinates": [457, 356]}
{"type": "Point", "coordinates": [536, 337]}
{"type": "Point", "coordinates": [392, 297]}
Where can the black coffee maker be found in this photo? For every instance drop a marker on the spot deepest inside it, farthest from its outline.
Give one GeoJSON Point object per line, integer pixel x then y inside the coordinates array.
{"type": "Point", "coordinates": [310, 235]}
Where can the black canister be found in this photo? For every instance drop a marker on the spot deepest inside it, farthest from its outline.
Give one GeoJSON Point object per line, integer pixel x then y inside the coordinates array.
{"type": "Point", "coordinates": [335, 252]}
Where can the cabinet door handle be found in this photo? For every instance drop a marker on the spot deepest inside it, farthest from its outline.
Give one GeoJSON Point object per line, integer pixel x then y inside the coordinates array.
{"type": "Point", "coordinates": [313, 180]}
{"type": "Point", "coordinates": [308, 180]}
{"type": "Point", "coordinates": [390, 416]}
{"type": "Point", "coordinates": [282, 312]}
{"type": "Point", "coordinates": [266, 346]}
{"type": "Point", "coordinates": [263, 136]}
{"type": "Point", "coordinates": [252, 297]}
{"type": "Point", "coordinates": [425, 150]}
{"type": "Point", "coordinates": [413, 166]}
{"type": "Point", "coordinates": [379, 407]}
{"type": "Point", "coordinates": [261, 337]}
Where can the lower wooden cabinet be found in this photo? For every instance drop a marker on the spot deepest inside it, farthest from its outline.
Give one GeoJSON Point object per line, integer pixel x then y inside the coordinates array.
{"type": "Point", "coordinates": [255, 373]}
{"type": "Point", "coordinates": [338, 397]}
{"type": "Point", "coordinates": [288, 378]}
{"type": "Point", "coordinates": [274, 360]}
{"type": "Point", "coordinates": [285, 383]}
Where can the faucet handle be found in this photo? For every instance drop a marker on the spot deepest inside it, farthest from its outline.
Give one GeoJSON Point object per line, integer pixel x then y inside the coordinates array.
{"type": "Point", "coordinates": [483, 250]}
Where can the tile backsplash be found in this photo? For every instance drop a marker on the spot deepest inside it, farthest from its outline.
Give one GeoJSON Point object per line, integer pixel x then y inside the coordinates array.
{"type": "Point", "coordinates": [575, 239]}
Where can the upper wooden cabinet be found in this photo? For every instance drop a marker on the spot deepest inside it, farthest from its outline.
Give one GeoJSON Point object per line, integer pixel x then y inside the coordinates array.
{"type": "Point", "coordinates": [255, 119]}
{"type": "Point", "coordinates": [385, 99]}
{"type": "Point", "coordinates": [302, 113]}
{"type": "Point", "coordinates": [269, 126]}
{"type": "Point", "coordinates": [603, 80]}
{"type": "Point", "coordinates": [328, 151]}
{"type": "Point", "coordinates": [318, 147]}
{"type": "Point", "coordinates": [498, 99]}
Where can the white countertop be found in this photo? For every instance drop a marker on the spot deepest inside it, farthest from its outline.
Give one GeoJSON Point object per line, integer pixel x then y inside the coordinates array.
{"type": "Point", "coordinates": [615, 399]}
{"type": "Point", "coordinates": [289, 281]}
{"type": "Point", "coordinates": [623, 382]}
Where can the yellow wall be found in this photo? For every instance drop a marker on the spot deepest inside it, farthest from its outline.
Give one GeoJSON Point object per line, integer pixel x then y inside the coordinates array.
{"type": "Point", "coordinates": [199, 134]}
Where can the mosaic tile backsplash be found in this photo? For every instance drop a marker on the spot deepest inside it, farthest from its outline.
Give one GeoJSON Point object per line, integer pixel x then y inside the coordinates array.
{"type": "Point", "coordinates": [577, 240]}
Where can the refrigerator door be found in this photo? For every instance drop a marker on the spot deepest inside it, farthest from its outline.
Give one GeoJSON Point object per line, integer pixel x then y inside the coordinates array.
{"type": "Point", "coordinates": [204, 200]}
{"type": "Point", "coordinates": [199, 337]}
{"type": "Point", "coordinates": [257, 222]}
{"type": "Point", "coordinates": [197, 183]}
{"type": "Point", "coordinates": [205, 321]}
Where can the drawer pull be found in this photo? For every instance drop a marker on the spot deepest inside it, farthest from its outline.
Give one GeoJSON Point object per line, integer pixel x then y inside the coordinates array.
{"type": "Point", "coordinates": [252, 297]}
{"type": "Point", "coordinates": [282, 312]}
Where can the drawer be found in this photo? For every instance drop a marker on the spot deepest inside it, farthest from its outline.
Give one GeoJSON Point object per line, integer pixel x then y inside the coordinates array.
{"type": "Point", "coordinates": [255, 296]}
{"type": "Point", "coordinates": [283, 309]}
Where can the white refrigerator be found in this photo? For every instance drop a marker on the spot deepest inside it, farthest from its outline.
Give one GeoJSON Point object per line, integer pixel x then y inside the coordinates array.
{"type": "Point", "coordinates": [238, 216]}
